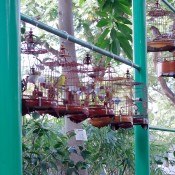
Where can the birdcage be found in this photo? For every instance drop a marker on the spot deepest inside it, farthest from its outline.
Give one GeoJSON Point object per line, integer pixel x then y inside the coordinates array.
{"type": "Point", "coordinates": [166, 65]}
{"type": "Point", "coordinates": [52, 87]}
{"type": "Point", "coordinates": [118, 98]}
{"type": "Point", "coordinates": [161, 29]}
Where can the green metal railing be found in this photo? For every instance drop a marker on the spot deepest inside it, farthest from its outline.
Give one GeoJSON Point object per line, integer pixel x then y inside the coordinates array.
{"type": "Point", "coordinates": [169, 5]}
{"type": "Point", "coordinates": [161, 129]}
{"type": "Point", "coordinates": [71, 38]}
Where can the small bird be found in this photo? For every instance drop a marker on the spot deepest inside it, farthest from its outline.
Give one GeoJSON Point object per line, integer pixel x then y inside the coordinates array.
{"type": "Point", "coordinates": [157, 35]}
{"type": "Point", "coordinates": [60, 81]}
{"type": "Point", "coordinates": [173, 30]}
{"type": "Point", "coordinates": [99, 70]}
{"type": "Point", "coordinates": [155, 31]}
{"type": "Point", "coordinates": [33, 78]}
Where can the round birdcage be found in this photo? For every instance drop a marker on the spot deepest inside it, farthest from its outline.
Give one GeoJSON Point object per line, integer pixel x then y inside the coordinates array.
{"type": "Point", "coordinates": [161, 29]}
{"type": "Point", "coordinates": [32, 45]}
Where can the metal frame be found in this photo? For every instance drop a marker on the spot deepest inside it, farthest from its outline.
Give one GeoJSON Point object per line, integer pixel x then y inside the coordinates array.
{"type": "Point", "coordinates": [71, 38]}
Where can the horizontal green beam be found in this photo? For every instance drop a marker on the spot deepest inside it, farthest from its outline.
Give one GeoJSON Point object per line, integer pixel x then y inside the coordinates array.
{"type": "Point", "coordinates": [169, 5]}
{"type": "Point", "coordinates": [161, 129]}
{"type": "Point", "coordinates": [71, 38]}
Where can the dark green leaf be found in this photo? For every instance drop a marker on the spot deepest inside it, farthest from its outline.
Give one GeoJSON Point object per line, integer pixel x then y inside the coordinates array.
{"type": "Point", "coordinates": [103, 22]}
{"type": "Point", "coordinates": [103, 35]}
{"type": "Point", "coordinates": [81, 165]}
{"type": "Point", "coordinates": [70, 171]}
{"type": "Point", "coordinates": [35, 115]}
{"type": "Point", "coordinates": [124, 28]}
{"type": "Point", "coordinates": [123, 9]}
{"type": "Point", "coordinates": [58, 144]}
{"type": "Point", "coordinates": [124, 43]}
{"type": "Point", "coordinates": [116, 46]}
{"type": "Point", "coordinates": [113, 34]}
{"type": "Point", "coordinates": [122, 19]}
{"type": "Point", "coordinates": [85, 154]}
{"type": "Point", "coordinates": [23, 30]}
{"type": "Point", "coordinates": [159, 162]}
{"type": "Point", "coordinates": [104, 43]}
{"type": "Point", "coordinates": [80, 148]}
{"type": "Point", "coordinates": [101, 13]}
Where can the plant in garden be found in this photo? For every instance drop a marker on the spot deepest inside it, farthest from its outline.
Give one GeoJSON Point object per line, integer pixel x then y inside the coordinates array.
{"type": "Point", "coordinates": [45, 148]}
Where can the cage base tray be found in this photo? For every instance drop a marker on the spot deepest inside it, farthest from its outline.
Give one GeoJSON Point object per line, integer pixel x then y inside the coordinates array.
{"type": "Point", "coordinates": [161, 45]}
{"type": "Point", "coordinates": [115, 122]}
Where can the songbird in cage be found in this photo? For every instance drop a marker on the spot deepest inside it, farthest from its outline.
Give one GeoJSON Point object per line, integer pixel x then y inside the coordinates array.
{"type": "Point", "coordinates": [157, 35]}
{"type": "Point", "coordinates": [33, 77]}
{"type": "Point", "coordinates": [99, 70]}
{"type": "Point", "coordinates": [173, 30]}
{"type": "Point", "coordinates": [60, 81]}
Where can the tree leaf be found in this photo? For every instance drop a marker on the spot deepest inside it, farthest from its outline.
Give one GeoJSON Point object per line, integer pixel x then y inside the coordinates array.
{"type": "Point", "coordinates": [103, 22]}
{"type": "Point", "coordinates": [124, 28]}
{"type": "Point", "coordinates": [103, 35]}
{"type": "Point", "coordinates": [113, 34]}
{"type": "Point", "coordinates": [35, 115]}
{"type": "Point", "coordinates": [116, 46]}
{"type": "Point", "coordinates": [122, 19]}
{"type": "Point", "coordinates": [85, 154]}
{"type": "Point", "coordinates": [123, 8]}
{"type": "Point", "coordinates": [72, 170]}
{"type": "Point", "coordinates": [124, 43]}
{"type": "Point", "coordinates": [23, 30]}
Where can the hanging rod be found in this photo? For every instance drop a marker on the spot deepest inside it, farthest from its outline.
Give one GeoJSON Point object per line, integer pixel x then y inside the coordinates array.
{"type": "Point", "coordinates": [71, 38]}
{"type": "Point", "coordinates": [169, 5]}
{"type": "Point", "coordinates": [161, 129]}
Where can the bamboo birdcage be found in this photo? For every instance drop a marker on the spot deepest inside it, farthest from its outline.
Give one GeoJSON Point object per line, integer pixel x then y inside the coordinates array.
{"type": "Point", "coordinates": [161, 29]}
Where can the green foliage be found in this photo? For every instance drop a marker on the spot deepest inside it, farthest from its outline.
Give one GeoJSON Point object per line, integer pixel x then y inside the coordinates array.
{"type": "Point", "coordinates": [45, 148]}
{"type": "Point", "coordinates": [102, 18]}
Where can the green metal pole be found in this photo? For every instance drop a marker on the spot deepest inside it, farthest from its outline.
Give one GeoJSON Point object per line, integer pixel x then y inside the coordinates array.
{"type": "Point", "coordinates": [10, 88]}
{"type": "Point", "coordinates": [139, 39]}
{"type": "Point", "coordinates": [161, 129]}
{"type": "Point", "coordinates": [71, 38]}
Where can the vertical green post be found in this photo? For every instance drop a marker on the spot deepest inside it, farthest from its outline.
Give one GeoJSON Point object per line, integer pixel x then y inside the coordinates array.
{"type": "Point", "coordinates": [10, 88]}
{"type": "Point", "coordinates": [140, 51]}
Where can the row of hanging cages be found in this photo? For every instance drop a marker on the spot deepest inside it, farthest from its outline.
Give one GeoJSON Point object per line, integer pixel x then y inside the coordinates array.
{"type": "Point", "coordinates": [59, 86]}
{"type": "Point", "coordinates": [161, 28]}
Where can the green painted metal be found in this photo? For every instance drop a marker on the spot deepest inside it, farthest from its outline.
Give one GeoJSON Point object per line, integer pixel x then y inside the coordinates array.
{"type": "Point", "coordinates": [161, 129]}
{"type": "Point", "coordinates": [139, 39]}
{"type": "Point", "coordinates": [169, 5]}
{"type": "Point", "coordinates": [10, 110]}
{"type": "Point", "coordinates": [71, 38]}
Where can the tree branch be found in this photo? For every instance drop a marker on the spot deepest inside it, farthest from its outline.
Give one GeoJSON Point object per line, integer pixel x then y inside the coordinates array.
{"type": "Point", "coordinates": [50, 49]}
